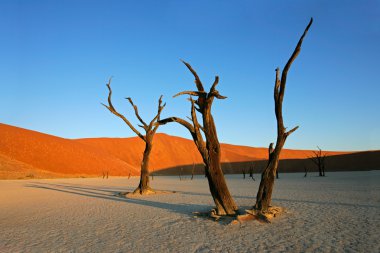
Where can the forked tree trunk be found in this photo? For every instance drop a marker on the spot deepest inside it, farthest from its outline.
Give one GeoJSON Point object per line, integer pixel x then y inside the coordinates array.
{"type": "Point", "coordinates": [209, 150]}
{"type": "Point", "coordinates": [264, 194]}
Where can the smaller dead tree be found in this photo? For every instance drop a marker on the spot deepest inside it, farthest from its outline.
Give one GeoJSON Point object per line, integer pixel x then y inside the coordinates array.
{"type": "Point", "coordinates": [305, 168]}
{"type": "Point", "coordinates": [192, 171]}
{"type": "Point", "coordinates": [319, 159]}
{"type": "Point", "coordinates": [264, 194]}
{"type": "Point", "coordinates": [251, 169]}
{"type": "Point", "coordinates": [243, 172]}
{"type": "Point", "coordinates": [150, 130]}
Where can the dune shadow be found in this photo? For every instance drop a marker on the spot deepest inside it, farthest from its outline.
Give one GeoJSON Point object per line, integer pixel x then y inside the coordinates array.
{"type": "Point", "coordinates": [113, 195]}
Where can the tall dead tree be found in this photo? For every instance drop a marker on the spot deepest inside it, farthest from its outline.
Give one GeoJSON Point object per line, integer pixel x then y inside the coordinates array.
{"type": "Point", "coordinates": [150, 130]}
{"type": "Point", "coordinates": [264, 194]}
{"type": "Point", "coordinates": [209, 149]}
{"type": "Point", "coordinates": [319, 160]}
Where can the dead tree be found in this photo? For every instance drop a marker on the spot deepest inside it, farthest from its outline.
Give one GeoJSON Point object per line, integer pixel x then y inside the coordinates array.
{"type": "Point", "coordinates": [243, 172]}
{"type": "Point", "coordinates": [209, 149]}
{"type": "Point", "coordinates": [305, 168]}
{"type": "Point", "coordinates": [319, 160]}
{"type": "Point", "coordinates": [180, 174]}
{"type": "Point", "coordinates": [251, 171]}
{"type": "Point", "coordinates": [150, 130]}
{"type": "Point", "coordinates": [192, 171]}
{"type": "Point", "coordinates": [264, 194]}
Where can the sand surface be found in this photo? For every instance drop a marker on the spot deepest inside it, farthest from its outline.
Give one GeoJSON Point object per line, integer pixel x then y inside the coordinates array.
{"type": "Point", "coordinates": [338, 213]}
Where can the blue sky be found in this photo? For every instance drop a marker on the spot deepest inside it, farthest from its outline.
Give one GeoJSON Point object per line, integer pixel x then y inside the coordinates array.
{"type": "Point", "coordinates": [56, 56]}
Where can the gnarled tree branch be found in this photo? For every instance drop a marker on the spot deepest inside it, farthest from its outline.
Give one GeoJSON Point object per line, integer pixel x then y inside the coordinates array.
{"type": "Point", "coordinates": [144, 125]}
{"type": "Point", "coordinates": [112, 109]}
{"type": "Point", "coordinates": [197, 81]}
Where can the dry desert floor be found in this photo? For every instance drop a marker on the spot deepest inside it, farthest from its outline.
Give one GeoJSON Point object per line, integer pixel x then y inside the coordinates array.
{"type": "Point", "coordinates": [337, 213]}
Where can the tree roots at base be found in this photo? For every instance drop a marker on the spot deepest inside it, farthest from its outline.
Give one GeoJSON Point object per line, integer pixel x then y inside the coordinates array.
{"type": "Point", "coordinates": [240, 217]}
{"type": "Point", "coordinates": [138, 193]}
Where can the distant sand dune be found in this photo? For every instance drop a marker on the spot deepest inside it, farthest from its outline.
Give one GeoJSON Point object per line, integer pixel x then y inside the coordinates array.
{"type": "Point", "coordinates": [42, 155]}
{"type": "Point", "coordinates": [57, 155]}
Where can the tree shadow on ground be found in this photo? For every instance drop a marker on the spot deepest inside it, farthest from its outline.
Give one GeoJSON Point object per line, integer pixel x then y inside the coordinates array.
{"type": "Point", "coordinates": [91, 192]}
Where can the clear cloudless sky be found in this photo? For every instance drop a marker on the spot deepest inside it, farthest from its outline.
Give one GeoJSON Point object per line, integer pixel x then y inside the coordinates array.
{"type": "Point", "coordinates": [56, 56]}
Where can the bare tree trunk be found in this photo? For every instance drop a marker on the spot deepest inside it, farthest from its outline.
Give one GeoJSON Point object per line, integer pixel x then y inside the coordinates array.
{"type": "Point", "coordinates": [144, 187]}
{"type": "Point", "coordinates": [323, 168]}
{"type": "Point", "coordinates": [225, 204]}
{"type": "Point", "coordinates": [192, 171]}
{"type": "Point", "coordinates": [264, 194]}
{"type": "Point", "coordinates": [305, 172]}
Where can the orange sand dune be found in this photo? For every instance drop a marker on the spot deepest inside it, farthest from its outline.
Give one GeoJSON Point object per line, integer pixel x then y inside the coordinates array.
{"type": "Point", "coordinates": [57, 155]}
{"type": "Point", "coordinates": [168, 151]}
{"type": "Point", "coordinates": [13, 169]}
{"type": "Point", "coordinates": [171, 151]}
{"type": "Point", "coordinates": [119, 156]}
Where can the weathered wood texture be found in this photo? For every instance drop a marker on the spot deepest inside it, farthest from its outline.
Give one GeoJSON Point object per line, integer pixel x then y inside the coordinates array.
{"type": "Point", "coordinates": [150, 130]}
{"type": "Point", "coordinates": [209, 149]}
{"type": "Point", "coordinates": [264, 194]}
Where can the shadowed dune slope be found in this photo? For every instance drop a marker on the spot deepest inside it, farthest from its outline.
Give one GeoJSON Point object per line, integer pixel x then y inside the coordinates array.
{"type": "Point", "coordinates": [56, 155]}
